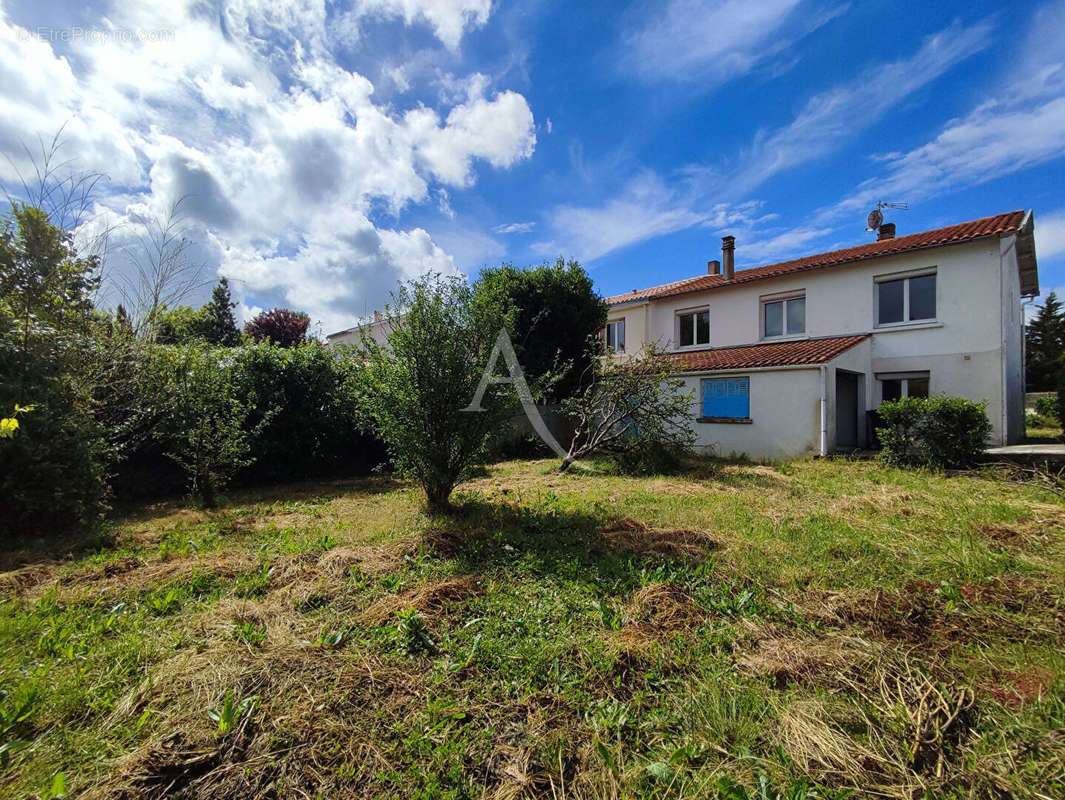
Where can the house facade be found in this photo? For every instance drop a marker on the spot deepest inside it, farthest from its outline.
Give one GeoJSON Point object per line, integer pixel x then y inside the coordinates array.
{"type": "Point", "coordinates": [788, 359]}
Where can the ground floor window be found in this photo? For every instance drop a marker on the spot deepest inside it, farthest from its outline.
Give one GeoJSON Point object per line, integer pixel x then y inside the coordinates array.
{"type": "Point", "coordinates": [726, 398]}
{"type": "Point", "coordinates": [897, 385]}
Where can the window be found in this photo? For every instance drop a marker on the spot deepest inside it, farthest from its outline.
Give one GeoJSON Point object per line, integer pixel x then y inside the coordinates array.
{"type": "Point", "coordinates": [784, 317]}
{"type": "Point", "coordinates": [906, 299]}
{"type": "Point", "coordinates": [726, 399]}
{"type": "Point", "coordinates": [898, 385]}
{"type": "Point", "coordinates": [693, 328]}
{"type": "Point", "coordinates": [615, 336]}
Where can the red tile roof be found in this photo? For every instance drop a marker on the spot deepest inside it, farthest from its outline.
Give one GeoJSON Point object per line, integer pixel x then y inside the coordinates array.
{"type": "Point", "coordinates": [955, 234]}
{"type": "Point", "coordinates": [768, 354]}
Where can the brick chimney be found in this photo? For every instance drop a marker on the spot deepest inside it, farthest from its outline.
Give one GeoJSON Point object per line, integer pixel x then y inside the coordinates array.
{"type": "Point", "coordinates": [886, 231]}
{"type": "Point", "coordinates": [728, 256]}
{"type": "Point", "coordinates": [713, 267]}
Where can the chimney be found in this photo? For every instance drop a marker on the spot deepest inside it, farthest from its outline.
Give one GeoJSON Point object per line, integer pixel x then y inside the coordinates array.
{"type": "Point", "coordinates": [886, 231]}
{"type": "Point", "coordinates": [728, 256]}
{"type": "Point", "coordinates": [713, 267]}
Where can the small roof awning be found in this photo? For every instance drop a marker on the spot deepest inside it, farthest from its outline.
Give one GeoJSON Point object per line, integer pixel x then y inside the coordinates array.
{"type": "Point", "coordinates": [796, 353]}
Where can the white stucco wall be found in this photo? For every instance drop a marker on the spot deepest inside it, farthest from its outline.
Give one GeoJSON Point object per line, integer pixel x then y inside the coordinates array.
{"type": "Point", "coordinates": [785, 416]}
{"type": "Point", "coordinates": [971, 350]}
{"type": "Point", "coordinates": [635, 317]}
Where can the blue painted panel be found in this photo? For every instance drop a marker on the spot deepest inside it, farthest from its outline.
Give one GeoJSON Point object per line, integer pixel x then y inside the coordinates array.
{"type": "Point", "coordinates": [727, 397]}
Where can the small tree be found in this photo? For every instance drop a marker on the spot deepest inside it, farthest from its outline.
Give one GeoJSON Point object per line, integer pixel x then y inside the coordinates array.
{"type": "Point", "coordinates": [416, 386]}
{"type": "Point", "coordinates": [279, 326]}
{"type": "Point", "coordinates": [217, 324]}
{"type": "Point", "coordinates": [629, 406]}
{"type": "Point", "coordinates": [939, 431]}
{"type": "Point", "coordinates": [1045, 346]}
{"type": "Point", "coordinates": [203, 418]}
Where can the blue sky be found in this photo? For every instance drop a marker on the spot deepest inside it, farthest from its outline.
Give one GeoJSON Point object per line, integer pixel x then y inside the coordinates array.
{"type": "Point", "coordinates": [326, 150]}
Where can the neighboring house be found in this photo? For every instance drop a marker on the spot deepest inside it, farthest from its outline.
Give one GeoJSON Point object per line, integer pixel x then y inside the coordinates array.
{"type": "Point", "coordinates": [788, 358]}
{"type": "Point", "coordinates": [377, 330]}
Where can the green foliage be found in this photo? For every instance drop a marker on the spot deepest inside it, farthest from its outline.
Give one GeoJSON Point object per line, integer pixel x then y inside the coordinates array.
{"type": "Point", "coordinates": [1045, 346]}
{"type": "Point", "coordinates": [310, 394]}
{"type": "Point", "coordinates": [231, 711]}
{"type": "Point", "coordinates": [414, 389]}
{"type": "Point", "coordinates": [52, 475]}
{"type": "Point", "coordinates": [249, 632]}
{"type": "Point", "coordinates": [180, 325]}
{"type": "Point", "coordinates": [635, 409]}
{"type": "Point", "coordinates": [203, 416]}
{"type": "Point", "coordinates": [218, 325]}
{"type": "Point", "coordinates": [414, 637]}
{"type": "Point", "coordinates": [554, 318]}
{"type": "Point", "coordinates": [1048, 407]}
{"type": "Point", "coordinates": [939, 431]}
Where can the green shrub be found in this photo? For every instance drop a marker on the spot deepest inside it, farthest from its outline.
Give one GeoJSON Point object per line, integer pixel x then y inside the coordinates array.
{"type": "Point", "coordinates": [940, 431]}
{"type": "Point", "coordinates": [1048, 407]}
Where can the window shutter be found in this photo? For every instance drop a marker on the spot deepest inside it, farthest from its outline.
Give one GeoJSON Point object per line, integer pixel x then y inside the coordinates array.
{"type": "Point", "coordinates": [727, 397]}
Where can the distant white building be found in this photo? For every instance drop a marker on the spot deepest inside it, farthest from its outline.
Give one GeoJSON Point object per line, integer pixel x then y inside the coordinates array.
{"type": "Point", "coordinates": [377, 330]}
{"type": "Point", "coordinates": [788, 358]}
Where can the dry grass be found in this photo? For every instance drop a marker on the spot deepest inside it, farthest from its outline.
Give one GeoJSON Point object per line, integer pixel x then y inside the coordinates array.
{"type": "Point", "coordinates": [433, 597]}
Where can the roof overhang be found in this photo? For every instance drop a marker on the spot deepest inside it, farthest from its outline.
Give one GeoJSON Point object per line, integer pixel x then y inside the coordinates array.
{"type": "Point", "coordinates": [1026, 261]}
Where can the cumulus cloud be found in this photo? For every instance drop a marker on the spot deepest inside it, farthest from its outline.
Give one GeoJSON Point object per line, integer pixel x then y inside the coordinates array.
{"type": "Point", "coordinates": [1050, 234]}
{"type": "Point", "coordinates": [284, 160]}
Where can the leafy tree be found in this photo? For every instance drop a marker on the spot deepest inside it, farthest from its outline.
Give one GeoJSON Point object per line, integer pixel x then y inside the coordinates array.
{"type": "Point", "coordinates": [1045, 346]}
{"type": "Point", "coordinates": [553, 315]}
{"type": "Point", "coordinates": [53, 472]}
{"type": "Point", "coordinates": [218, 325]}
{"type": "Point", "coordinates": [204, 417]}
{"type": "Point", "coordinates": [179, 325]}
{"type": "Point", "coordinates": [416, 386]}
{"type": "Point", "coordinates": [279, 326]}
{"type": "Point", "coordinates": [629, 407]}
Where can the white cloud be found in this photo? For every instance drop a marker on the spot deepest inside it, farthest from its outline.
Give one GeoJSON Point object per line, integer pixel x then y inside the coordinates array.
{"type": "Point", "coordinates": [832, 117]}
{"type": "Point", "coordinates": [282, 155]}
{"type": "Point", "coordinates": [449, 19]}
{"type": "Point", "coordinates": [713, 41]}
{"type": "Point", "coordinates": [1050, 234]}
{"type": "Point", "coordinates": [648, 207]}
{"type": "Point", "coordinates": [515, 227]}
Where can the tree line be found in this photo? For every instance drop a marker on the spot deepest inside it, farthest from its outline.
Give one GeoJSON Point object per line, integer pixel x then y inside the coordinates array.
{"type": "Point", "coordinates": [100, 403]}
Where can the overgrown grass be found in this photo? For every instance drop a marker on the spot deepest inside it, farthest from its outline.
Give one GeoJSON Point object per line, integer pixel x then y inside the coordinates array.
{"type": "Point", "coordinates": [815, 629]}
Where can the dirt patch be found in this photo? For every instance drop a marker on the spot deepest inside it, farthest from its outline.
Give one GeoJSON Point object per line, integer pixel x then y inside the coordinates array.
{"type": "Point", "coordinates": [1013, 593]}
{"type": "Point", "coordinates": [1018, 688]}
{"type": "Point", "coordinates": [429, 598]}
{"type": "Point", "coordinates": [630, 536]}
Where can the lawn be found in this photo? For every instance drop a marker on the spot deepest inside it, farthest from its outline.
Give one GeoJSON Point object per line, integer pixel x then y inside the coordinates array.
{"type": "Point", "coordinates": [820, 629]}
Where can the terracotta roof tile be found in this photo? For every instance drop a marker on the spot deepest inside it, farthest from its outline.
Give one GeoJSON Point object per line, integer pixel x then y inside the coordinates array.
{"type": "Point", "coordinates": [954, 234]}
{"type": "Point", "coordinates": [767, 354]}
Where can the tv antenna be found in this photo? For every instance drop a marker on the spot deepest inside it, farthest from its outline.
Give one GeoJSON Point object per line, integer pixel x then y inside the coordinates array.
{"type": "Point", "coordinates": [876, 216]}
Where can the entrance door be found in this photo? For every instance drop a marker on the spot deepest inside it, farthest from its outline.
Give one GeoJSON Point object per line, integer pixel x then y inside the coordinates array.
{"type": "Point", "coordinates": [846, 410]}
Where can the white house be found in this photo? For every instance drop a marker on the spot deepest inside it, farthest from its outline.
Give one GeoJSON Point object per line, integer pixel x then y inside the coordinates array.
{"type": "Point", "coordinates": [788, 358]}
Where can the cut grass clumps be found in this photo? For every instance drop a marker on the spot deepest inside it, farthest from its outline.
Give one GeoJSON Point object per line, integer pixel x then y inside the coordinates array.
{"type": "Point", "coordinates": [822, 629]}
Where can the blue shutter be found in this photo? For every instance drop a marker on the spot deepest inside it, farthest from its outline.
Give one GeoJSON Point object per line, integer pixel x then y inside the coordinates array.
{"type": "Point", "coordinates": [727, 397]}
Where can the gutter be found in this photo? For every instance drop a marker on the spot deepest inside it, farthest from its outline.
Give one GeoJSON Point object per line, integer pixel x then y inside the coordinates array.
{"type": "Point", "coordinates": [824, 411]}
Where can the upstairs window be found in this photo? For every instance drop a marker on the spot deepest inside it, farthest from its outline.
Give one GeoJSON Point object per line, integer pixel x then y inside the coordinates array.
{"type": "Point", "coordinates": [726, 399]}
{"type": "Point", "coordinates": [906, 299]}
{"type": "Point", "coordinates": [784, 317]}
{"type": "Point", "coordinates": [615, 336]}
{"type": "Point", "coordinates": [693, 328]}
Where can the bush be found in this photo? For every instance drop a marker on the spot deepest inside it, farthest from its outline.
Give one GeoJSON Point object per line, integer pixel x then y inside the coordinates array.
{"type": "Point", "coordinates": [1048, 407]}
{"type": "Point", "coordinates": [940, 432]}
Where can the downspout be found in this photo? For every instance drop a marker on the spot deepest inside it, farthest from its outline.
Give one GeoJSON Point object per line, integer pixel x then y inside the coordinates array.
{"type": "Point", "coordinates": [824, 411]}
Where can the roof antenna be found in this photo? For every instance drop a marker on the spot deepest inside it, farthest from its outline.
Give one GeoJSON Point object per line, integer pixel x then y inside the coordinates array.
{"type": "Point", "coordinates": [876, 216]}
